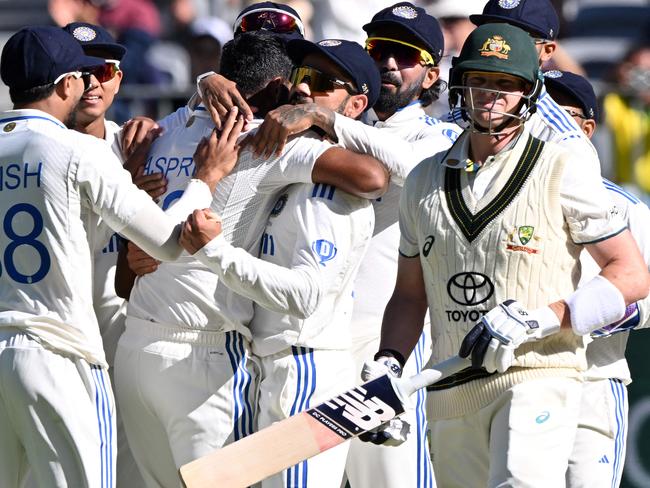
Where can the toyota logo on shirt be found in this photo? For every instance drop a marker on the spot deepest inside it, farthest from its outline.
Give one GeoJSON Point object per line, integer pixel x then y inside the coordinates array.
{"type": "Point", "coordinates": [469, 288]}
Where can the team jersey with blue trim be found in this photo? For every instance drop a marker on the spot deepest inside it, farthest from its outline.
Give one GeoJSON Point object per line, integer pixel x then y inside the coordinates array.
{"type": "Point", "coordinates": [606, 355]}
{"type": "Point", "coordinates": [550, 123]}
{"type": "Point", "coordinates": [186, 294]}
{"type": "Point", "coordinates": [414, 135]}
{"type": "Point", "coordinates": [51, 180]}
{"type": "Point", "coordinates": [302, 282]}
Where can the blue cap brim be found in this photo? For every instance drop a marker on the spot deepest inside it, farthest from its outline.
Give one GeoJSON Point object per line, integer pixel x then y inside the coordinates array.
{"type": "Point", "coordinates": [298, 49]}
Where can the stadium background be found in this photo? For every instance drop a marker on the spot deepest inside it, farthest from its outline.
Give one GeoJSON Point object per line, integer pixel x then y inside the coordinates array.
{"type": "Point", "coordinates": [170, 41]}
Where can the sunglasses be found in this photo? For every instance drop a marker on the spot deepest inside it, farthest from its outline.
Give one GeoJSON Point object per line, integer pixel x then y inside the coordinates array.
{"type": "Point", "coordinates": [77, 74]}
{"type": "Point", "coordinates": [319, 81]}
{"type": "Point", "coordinates": [272, 20]}
{"type": "Point", "coordinates": [405, 54]}
{"type": "Point", "coordinates": [107, 71]}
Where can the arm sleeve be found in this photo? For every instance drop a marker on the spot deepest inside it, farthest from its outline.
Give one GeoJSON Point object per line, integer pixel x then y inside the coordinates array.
{"type": "Point", "coordinates": [588, 209]}
{"type": "Point", "coordinates": [294, 291]}
{"type": "Point", "coordinates": [396, 153]}
{"type": "Point", "coordinates": [107, 189]}
{"type": "Point", "coordinates": [408, 243]}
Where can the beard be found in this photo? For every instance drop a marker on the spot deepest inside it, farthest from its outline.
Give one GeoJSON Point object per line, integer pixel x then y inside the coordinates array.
{"type": "Point", "coordinates": [390, 102]}
{"type": "Point", "coordinates": [70, 120]}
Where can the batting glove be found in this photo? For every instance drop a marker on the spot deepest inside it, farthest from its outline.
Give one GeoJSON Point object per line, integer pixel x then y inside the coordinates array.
{"type": "Point", "coordinates": [395, 431]}
{"type": "Point", "coordinates": [493, 341]}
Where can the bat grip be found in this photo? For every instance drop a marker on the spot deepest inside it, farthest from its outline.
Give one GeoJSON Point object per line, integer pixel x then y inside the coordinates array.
{"type": "Point", "coordinates": [429, 376]}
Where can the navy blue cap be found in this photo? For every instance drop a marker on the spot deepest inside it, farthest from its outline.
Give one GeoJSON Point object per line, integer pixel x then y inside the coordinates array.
{"type": "Point", "coordinates": [349, 56]}
{"type": "Point", "coordinates": [38, 55]}
{"type": "Point", "coordinates": [537, 17]}
{"type": "Point", "coordinates": [576, 87]}
{"type": "Point", "coordinates": [96, 38]}
{"type": "Point", "coordinates": [273, 7]}
{"type": "Point", "coordinates": [414, 20]}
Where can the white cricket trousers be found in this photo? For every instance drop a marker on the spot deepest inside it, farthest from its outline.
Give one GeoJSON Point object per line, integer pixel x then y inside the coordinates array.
{"type": "Point", "coordinates": [293, 381]}
{"type": "Point", "coordinates": [599, 450]}
{"type": "Point", "coordinates": [522, 439]}
{"type": "Point", "coordinates": [56, 417]}
{"type": "Point", "coordinates": [179, 400]}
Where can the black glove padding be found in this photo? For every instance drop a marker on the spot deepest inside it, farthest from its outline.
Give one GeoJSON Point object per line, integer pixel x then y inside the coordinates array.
{"type": "Point", "coordinates": [476, 342]}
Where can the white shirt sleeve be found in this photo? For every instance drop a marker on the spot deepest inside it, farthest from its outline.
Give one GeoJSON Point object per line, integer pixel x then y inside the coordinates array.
{"type": "Point", "coordinates": [588, 208]}
{"type": "Point", "coordinates": [106, 188]}
{"type": "Point", "coordinates": [315, 259]}
{"type": "Point", "coordinates": [176, 119]}
{"type": "Point", "coordinates": [638, 217]}
{"type": "Point", "coordinates": [408, 207]}
{"type": "Point", "coordinates": [396, 153]}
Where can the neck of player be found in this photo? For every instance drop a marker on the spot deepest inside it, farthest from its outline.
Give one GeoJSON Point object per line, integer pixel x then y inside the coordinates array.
{"type": "Point", "coordinates": [482, 146]}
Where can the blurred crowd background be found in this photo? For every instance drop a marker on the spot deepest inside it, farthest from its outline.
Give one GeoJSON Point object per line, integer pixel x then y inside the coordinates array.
{"type": "Point", "coordinates": [171, 41]}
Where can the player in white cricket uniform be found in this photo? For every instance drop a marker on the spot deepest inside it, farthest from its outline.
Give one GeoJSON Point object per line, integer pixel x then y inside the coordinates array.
{"type": "Point", "coordinates": [474, 240]}
{"type": "Point", "coordinates": [186, 331]}
{"type": "Point", "coordinates": [302, 284]}
{"type": "Point", "coordinates": [56, 403]}
{"type": "Point", "coordinates": [109, 308]}
{"type": "Point", "coordinates": [599, 448]}
{"type": "Point", "coordinates": [409, 76]}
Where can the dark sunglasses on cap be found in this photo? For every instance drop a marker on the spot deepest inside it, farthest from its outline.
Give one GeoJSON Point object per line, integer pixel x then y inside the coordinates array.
{"type": "Point", "coordinates": [319, 81]}
{"type": "Point", "coordinates": [105, 72]}
{"type": "Point", "coordinates": [272, 20]}
{"type": "Point", "coordinates": [405, 54]}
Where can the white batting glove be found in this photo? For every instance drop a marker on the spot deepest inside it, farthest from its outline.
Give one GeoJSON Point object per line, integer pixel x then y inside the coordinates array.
{"type": "Point", "coordinates": [395, 431]}
{"type": "Point", "coordinates": [493, 341]}
{"type": "Point", "coordinates": [379, 367]}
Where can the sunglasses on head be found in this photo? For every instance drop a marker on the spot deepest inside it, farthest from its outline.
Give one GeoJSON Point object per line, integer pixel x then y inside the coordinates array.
{"type": "Point", "coordinates": [106, 71]}
{"type": "Point", "coordinates": [319, 81]}
{"type": "Point", "coordinates": [277, 21]}
{"type": "Point", "coordinates": [405, 54]}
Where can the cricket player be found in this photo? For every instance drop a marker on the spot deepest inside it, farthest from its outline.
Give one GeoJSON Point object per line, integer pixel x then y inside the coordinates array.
{"type": "Point", "coordinates": [91, 119]}
{"type": "Point", "coordinates": [548, 121]}
{"type": "Point", "coordinates": [186, 331]}
{"type": "Point", "coordinates": [56, 402]}
{"type": "Point", "coordinates": [302, 283]}
{"type": "Point", "coordinates": [491, 232]}
{"type": "Point", "coordinates": [599, 448]}
{"type": "Point", "coordinates": [406, 44]}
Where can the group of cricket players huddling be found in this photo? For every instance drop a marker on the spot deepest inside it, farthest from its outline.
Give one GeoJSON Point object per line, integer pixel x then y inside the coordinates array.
{"type": "Point", "coordinates": [266, 247]}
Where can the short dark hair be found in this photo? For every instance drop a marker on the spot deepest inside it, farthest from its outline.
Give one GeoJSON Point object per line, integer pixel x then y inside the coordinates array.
{"type": "Point", "coordinates": [252, 59]}
{"type": "Point", "coordinates": [431, 94]}
{"type": "Point", "coordinates": [20, 96]}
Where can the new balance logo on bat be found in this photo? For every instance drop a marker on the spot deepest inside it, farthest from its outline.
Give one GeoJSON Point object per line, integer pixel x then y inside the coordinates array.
{"type": "Point", "coordinates": [360, 409]}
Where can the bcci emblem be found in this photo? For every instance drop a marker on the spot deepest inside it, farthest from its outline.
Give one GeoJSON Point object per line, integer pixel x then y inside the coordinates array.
{"type": "Point", "coordinates": [508, 4]}
{"type": "Point", "coordinates": [279, 205]}
{"type": "Point", "coordinates": [405, 12]}
{"type": "Point", "coordinates": [84, 34]}
{"type": "Point", "coordinates": [330, 43]}
{"type": "Point", "coordinates": [495, 46]}
{"type": "Point", "coordinates": [325, 250]}
{"type": "Point", "coordinates": [520, 237]}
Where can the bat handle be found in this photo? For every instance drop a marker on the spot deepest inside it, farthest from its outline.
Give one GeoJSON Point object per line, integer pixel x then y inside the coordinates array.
{"type": "Point", "coordinates": [429, 376]}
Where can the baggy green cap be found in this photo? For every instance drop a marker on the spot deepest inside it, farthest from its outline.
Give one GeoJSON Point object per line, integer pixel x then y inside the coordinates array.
{"type": "Point", "coordinates": [497, 48]}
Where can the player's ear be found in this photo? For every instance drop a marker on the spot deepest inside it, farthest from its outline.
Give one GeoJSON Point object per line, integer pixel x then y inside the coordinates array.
{"type": "Point", "coordinates": [589, 127]}
{"type": "Point", "coordinates": [431, 76]}
{"type": "Point", "coordinates": [547, 51]}
{"type": "Point", "coordinates": [355, 106]}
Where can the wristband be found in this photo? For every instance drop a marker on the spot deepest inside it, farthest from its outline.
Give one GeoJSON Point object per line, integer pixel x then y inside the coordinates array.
{"type": "Point", "coordinates": [392, 353]}
{"type": "Point", "coordinates": [199, 78]}
{"type": "Point", "coordinates": [595, 304]}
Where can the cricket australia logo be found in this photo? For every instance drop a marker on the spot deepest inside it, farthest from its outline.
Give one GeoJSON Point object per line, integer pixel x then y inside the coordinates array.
{"type": "Point", "coordinates": [495, 46]}
{"type": "Point", "coordinates": [360, 409]}
{"type": "Point", "coordinates": [519, 239]}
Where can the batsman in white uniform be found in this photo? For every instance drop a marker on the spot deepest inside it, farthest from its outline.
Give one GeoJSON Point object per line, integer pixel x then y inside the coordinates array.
{"type": "Point", "coordinates": [493, 228]}
{"type": "Point", "coordinates": [599, 448]}
{"type": "Point", "coordinates": [186, 331]}
{"type": "Point", "coordinates": [56, 402]}
{"type": "Point", "coordinates": [406, 45]}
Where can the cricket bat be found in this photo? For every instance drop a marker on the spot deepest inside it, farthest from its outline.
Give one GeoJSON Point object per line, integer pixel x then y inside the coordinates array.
{"type": "Point", "coordinates": [311, 432]}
